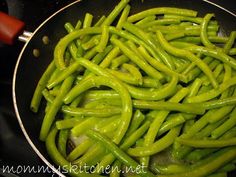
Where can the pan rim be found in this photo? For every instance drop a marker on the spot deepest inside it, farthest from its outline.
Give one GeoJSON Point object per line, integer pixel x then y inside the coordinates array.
{"type": "Point", "coordinates": [40, 155]}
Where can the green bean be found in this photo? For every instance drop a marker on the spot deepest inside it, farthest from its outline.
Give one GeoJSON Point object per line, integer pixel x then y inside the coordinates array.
{"type": "Point", "coordinates": [159, 119]}
{"type": "Point", "coordinates": [162, 10]}
{"type": "Point", "coordinates": [219, 103]}
{"type": "Point", "coordinates": [62, 141]}
{"type": "Point", "coordinates": [197, 40]}
{"type": "Point", "coordinates": [78, 25]}
{"type": "Point", "coordinates": [96, 150]}
{"type": "Point", "coordinates": [145, 20]}
{"type": "Point", "coordinates": [185, 54]}
{"type": "Point", "coordinates": [54, 108]}
{"type": "Point", "coordinates": [135, 39]}
{"type": "Point", "coordinates": [67, 123]}
{"type": "Point", "coordinates": [158, 65]}
{"type": "Point", "coordinates": [93, 41]}
{"type": "Point", "coordinates": [232, 51]}
{"type": "Point", "coordinates": [152, 43]}
{"type": "Point", "coordinates": [154, 94]}
{"type": "Point", "coordinates": [87, 20]}
{"type": "Point", "coordinates": [228, 124]}
{"type": "Point", "coordinates": [117, 152]}
{"type": "Point", "coordinates": [128, 142]}
{"type": "Point", "coordinates": [103, 40]}
{"type": "Point", "coordinates": [115, 171]}
{"type": "Point", "coordinates": [134, 71]}
{"type": "Point", "coordinates": [99, 57]}
{"type": "Point", "coordinates": [207, 143]}
{"type": "Point", "coordinates": [157, 146]}
{"type": "Point", "coordinates": [203, 34]}
{"type": "Point", "coordinates": [125, 77]}
{"type": "Point", "coordinates": [123, 17]}
{"type": "Point", "coordinates": [136, 121]}
{"type": "Point", "coordinates": [174, 36]}
{"type": "Point", "coordinates": [59, 159]}
{"type": "Point", "coordinates": [160, 105]}
{"type": "Point", "coordinates": [213, 93]}
{"type": "Point", "coordinates": [137, 60]}
{"type": "Point", "coordinates": [116, 62]}
{"type": "Point", "coordinates": [64, 74]}
{"type": "Point", "coordinates": [230, 42]}
{"type": "Point", "coordinates": [102, 112]}
{"type": "Point", "coordinates": [110, 56]}
{"type": "Point", "coordinates": [215, 54]}
{"type": "Point", "coordinates": [206, 131]}
{"type": "Point", "coordinates": [228, 155]}
{"type": "Point", "coordinates": [160, 22]}
{"type": "Point", "coordinates": [63, 43]}
{"type": "Point", "coordinates": [197, 20]}
{"type": "Point", "coordinates": [113, 83]}
{"type": "Point", "coordinates": [99, 94]}
{"type": "Point", "coordinates": [37, 96]}
{"type": "Point", "coordinates": [79, 149]}
{"type": "Point", "coordinates": [115, 12]}
{"type": "Point", "coordinates": [170, 123]}
{"type": "Point", "coordinates": [230, 133]}
{"type": "Point", "coordinates": [48, 97]}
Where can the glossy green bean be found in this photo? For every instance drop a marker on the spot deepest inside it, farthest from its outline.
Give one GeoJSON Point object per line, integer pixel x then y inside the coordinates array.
{"type": "Point", "coordinates": [203, 34]}
{"type": "Point", "coordinates": [157, 146]}
{"type": "Point", "coordinates": [118, 61]}
{"type": "Point", "coordinates": [63, 43]}
{"type": "Point", "coordinates": [171, 122]}
{"type": "Point", "coordinates": [123, 17]}
{"type": "Point", "coordinates": [37, 96]}
{"type": "Point", "coordinates": [117, 152]}
{"type": "Point", "coordinates": [68, 123]}
{"type": "Point", "coordinates": [54, 108]}
{"type": "Point", "coordinates": [88, 19]}
{"type": "Point", "coordinates": [59, 159]}
{"type": "Point", "coordinates": [115, 12]}
{"type": "Point", "coordinates": [137, 60]}
{"type": "Point", "coordinates": [212, 93]}
{"type": "Point", "coordinates": [154, 94]}
{"type": "Point", "coordinates": [228, 124]}
{"type": "Point", "coordinates": [162, 10]}
{"type": "Point", "coordinates": [113, 83]}
{"type": "Point", "coordinates": [219, 55]}
{"type": "Point", "coordinates": [229, 44]}
{"type": "Point", "coordinates": [103, 40]}
{"type": "Point", "coordinates": [151, 42]}
{"type": "Point", "coordinates": [205, 169]}
{"type": "Point", "coordinates": [187, 55]}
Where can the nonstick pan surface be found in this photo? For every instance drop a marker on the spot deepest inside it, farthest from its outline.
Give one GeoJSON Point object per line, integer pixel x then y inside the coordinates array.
{"type": "Point", "coordinates": [29, 68]}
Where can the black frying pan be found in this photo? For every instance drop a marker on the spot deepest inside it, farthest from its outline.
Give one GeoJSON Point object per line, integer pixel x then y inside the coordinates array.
{"type": "Point", "coordinates": [29, 69]}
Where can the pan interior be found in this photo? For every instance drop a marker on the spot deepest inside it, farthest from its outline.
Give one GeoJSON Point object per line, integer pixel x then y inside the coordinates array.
{"type": "Point", "coordinates": [30, 68]}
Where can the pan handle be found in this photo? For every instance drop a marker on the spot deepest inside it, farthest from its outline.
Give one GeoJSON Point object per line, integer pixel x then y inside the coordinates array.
{"type": "Point", "coordinates": [10, 28]}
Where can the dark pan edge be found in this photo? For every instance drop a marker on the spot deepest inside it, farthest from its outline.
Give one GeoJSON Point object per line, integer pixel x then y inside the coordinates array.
{"type": "Point", "coordinates": [220, 7]}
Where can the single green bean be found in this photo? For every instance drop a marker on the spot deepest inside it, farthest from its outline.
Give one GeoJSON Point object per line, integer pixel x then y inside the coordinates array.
{"type": "Point", "coordinates": [123, 17]}
{"type": "Point", "coordinates": [203, 33]}
{"type": "Point", "coordinates": [102, 112]}
{"type": "Point", "coordinates": [54, 108]}
{"type": "Point", "coordinates": [37, 96]}
{"type": "Point", "coordinates": [162, 10]}
{"type": "Point", "coordinates": [154, 94]}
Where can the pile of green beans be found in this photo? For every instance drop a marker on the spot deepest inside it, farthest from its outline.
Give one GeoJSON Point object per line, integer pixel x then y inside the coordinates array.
{"type": "Point", "coordinates": [125, 90]}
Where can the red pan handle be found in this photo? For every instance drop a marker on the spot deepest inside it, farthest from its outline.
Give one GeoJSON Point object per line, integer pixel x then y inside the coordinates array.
{"type": "Point", "coordinates": [10, 28]}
